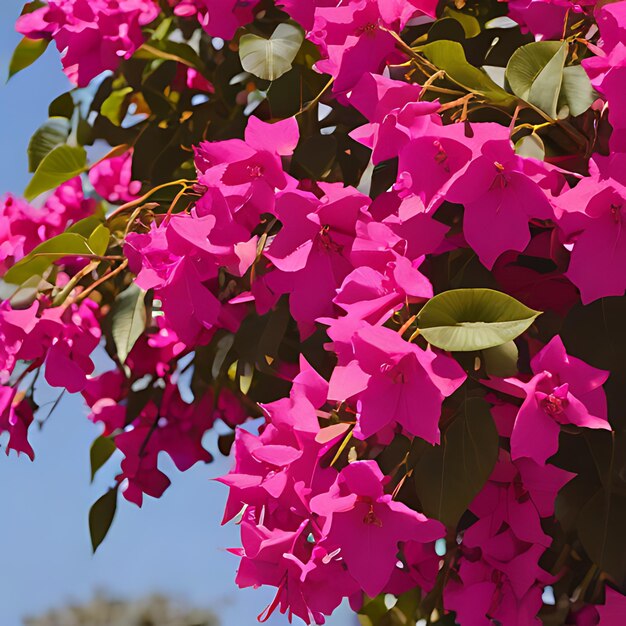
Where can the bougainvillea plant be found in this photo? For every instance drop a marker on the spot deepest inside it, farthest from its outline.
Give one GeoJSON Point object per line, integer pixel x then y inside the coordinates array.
{"type": "Point", "coordinates": [388, 231]}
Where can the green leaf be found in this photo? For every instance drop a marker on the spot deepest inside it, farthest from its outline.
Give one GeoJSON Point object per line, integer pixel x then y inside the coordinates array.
{"type": "Point", "coordinates": [463, 320]}
{"type": "Point", "coordinates": [502, 360]}
{"type": "Point", "coordinates": [527, 63]}
{"type": "Point", "coordinates": [101, 451]}
{"type": "Point", "coordinates": [449, 476]}
{"type": "Point", "coordinates": [129, 318]}
{"type": "Point", "coordinates": [63, 163]}
{"type": "Point", "coordinates": [85, 227]}
{"type": "Point", "coordinates": [99, 239]}
{"type": "Point", "coordinates": [170, 51]}
{"type": "Point", "coordinates": [531, 146]}
{"type": "Point", "coordinates": [40, 259]}
{"type": "Point", "coordinates": [270, 58]}
{"type": "Point", "coordinates": [112, 107]}
{"type": "Point", "coordinates": [577, 94]}
{"type": "Point", "coordinates": [101, 517]}
{"type": "Point", "coordinates": [62, 106]}
{"type": "Point", "coordinates": [601, 526]}
{"type": "Point", "coordinates": [46, 138]}
{"type": "Point", "coordinates": [449, 56]}
{"type": "Point", "coordinates": [535, 73]}
{"type": "Point", "coordinates": [26, 53]}
{"type": "Point", "coordinates": [471, 26]}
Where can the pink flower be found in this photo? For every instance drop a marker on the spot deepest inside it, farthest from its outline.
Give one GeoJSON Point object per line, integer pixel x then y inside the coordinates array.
{"type": "Point", "coordinates": [591, 217]}
{"type": "Point", "coordinates": [311, 253]}
{"type": "Point", "coordinates": [217, 18]}
{"type": "Point", "coordinates": [501, 192]}
{"type": "Point", "coordinates": [23, 227]}
{"type": "Point", "coordinates": [546, 18]}
{"type": "Point", "coordinates": [16, 415]}
{"type": "Point", "coordinates": [563, 390]}
{"type": "Point", "coordinates": [112, 179]}
{"type": "Point", "coordinates": [366, 525]}
{"type": "Point", "coordinates": [497, 575]}
{"type": "Point", "coordinates": [354, 38]}
{"type": "Point", "coordinates": [310, 582]}
{"type": "Point", "coordinates": [388, 377]}
{"type": "Point", "coordinates": [92, 35]}
{"type": "Point", "coordinates": [394, 113]}
{"type": "Point", "coordinates": [369, 295]}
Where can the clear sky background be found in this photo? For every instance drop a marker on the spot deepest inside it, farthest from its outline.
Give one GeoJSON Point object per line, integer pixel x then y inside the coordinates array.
{"type": "Point", "coordinates": [173, 545]}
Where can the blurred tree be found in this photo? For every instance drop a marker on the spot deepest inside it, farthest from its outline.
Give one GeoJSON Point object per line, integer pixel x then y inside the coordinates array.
{"type": "Point", "coordinates": [155, 610]}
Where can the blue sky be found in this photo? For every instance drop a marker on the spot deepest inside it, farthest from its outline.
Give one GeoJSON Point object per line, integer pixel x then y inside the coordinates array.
{"type": "Point", "coordinates": [172, 545]}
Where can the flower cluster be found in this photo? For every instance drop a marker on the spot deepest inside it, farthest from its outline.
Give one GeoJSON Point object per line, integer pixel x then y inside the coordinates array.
{"type": "Point", "coordinates": [92, 35]}
{"type": "Point", "coordinates": [360, 323]}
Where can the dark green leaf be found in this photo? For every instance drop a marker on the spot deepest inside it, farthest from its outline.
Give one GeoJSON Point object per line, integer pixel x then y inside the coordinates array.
{"type": "Point", "coordinates": [129, 318]}
{"type": "Point", "coordinates": [46, 138]}
{"type": "Point", "coordinates": [62, 106]}
{"type": "Point", "coordinates": [270, 58]}
{"type": "Point", "coordinates": [101, 517]}
{"type": "Point", "coordinates": [601, 526]}
{"type": "Point", "coordinates": [449, 476]}
{"type": "Point", "coordinates": [471, 26]}
{"type": "Point", "coordinates": [63, 163]}
{"type": "Point", "coordinates": [170, 51]}
{"type": "Point", "coordinates": [502, 360]}
{"type": "Point", "coordinates": [26, 53]}
{"type": "Point", "coordinates": [449, 56]}
{"type": "Point", "coordinates": [462, 320]}
{"type": "Point", "coordinates": [101, 450]}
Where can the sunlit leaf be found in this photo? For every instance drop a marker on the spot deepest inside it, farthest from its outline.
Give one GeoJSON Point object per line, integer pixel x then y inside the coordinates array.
{"type": "Point", "coordinates": [463, 320]}
{"type": "Point", "coordinates": [40, 259]}
{"type": "Point", "coordinates": [449, 56]}
{"type": "Point", "coordinates": [26, 53]}
{"type": "Point", "coordinates": [270, 58]}
{"type": "Point", "coordinates": [58, 166]}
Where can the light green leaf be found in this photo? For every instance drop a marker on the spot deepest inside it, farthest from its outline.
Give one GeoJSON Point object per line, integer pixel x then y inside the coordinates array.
{"type": "Point", "coordinates": [463, 320]}
{"type": "Point", "coordinates": [531, 146]}
{"type": "Point", "coordinates": [449, 56]}
{"type": "Point", "coordinates": [270, 58]}
{"type": "Point", "coordinates": [99, 239]}
{"type": "Point", "coordinates": [101, 450]}
{"type": "Point", "coordinates": [535, 73]}
{"type": "Point", "coordinates": [40, 259]}
{"type": "Point", "coordinates": [577, 94]}
{"type": "Point", "coordinates": [501, 360]}
{"type": "Point", "coordinates": [527, 63]}
{"type": "Point", "coordinates": [26, 53]}
{"type": "Point", "coordinates": [449, 476]}
{"type": "Point", "coordinates": [46, 138]}
{"type": "Point", "coordinates": [101, 517]}
{"type": "Point", "coordinates": [112, 107]}
{"type": "Point", "coordinates": [129, 319]}
{"type": "Point", "coordinates": [85, 227]}
{"type": "Point", "coordinates": [60, 165]}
